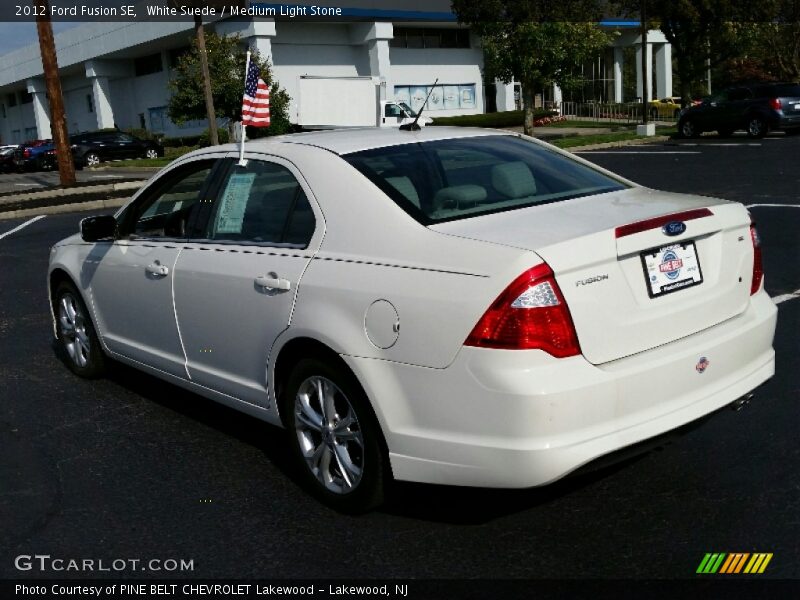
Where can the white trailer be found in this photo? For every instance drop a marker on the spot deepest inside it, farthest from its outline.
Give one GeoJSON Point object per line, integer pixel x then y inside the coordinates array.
{"type": "Point", "coordinates": [328, 102]}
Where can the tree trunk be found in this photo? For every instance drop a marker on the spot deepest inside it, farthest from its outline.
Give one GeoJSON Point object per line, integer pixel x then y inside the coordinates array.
{"type": "Point", "coordinates": [527, 104]}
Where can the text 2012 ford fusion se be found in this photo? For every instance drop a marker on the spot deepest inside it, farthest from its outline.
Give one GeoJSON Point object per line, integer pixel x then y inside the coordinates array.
{"type": "Point", "coordinates": [454, 306]}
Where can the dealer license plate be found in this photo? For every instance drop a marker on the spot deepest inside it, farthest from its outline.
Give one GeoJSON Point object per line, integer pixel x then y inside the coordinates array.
{"type": "Point", "coordinates": [671, 268]}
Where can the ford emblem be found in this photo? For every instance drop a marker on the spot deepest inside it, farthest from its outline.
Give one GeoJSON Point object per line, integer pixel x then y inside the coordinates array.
{"type": "Point", "coordinates": [674, 228]}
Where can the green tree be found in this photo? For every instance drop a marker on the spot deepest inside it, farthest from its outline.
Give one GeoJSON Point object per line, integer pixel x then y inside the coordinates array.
{"type": "Point", "coordinates": [535, 43]}
{"type": "Point", "coordinates": [777, 40]}
{"type": "Point", "coordinates": [226, 61]}
{"type": "Point", "coordinates": [703, 33]}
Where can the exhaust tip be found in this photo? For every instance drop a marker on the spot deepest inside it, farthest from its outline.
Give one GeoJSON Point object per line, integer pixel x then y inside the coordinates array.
{"type": "Point", "coordinates": [740, 403]}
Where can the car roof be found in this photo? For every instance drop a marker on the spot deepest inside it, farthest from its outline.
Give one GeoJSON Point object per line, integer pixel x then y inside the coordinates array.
{"type": "Point", "coordinates": [345, 141]}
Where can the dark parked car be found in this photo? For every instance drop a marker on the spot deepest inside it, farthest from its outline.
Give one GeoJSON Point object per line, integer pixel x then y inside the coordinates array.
{"type": "Point", "coordinates": [756, 108]}
{"type": "Point", "coordinates": [95, 147]}
{"type": "Point", "coordinates": [30, 155]}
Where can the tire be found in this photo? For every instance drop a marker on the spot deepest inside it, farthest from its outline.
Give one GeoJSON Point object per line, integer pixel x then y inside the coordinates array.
{"type": "Point", "coordinates": [92, 159]}
{"type": "Point", "coordinates": [345, 470]}
{"type": "Point", "coordinates": [654, 114]}
{"type": "Point", "coordinates": [725, 132]}
{"type": "Point", "coordinates": [756, 127]}
{"type": "Point", "coordinates": [76, 333]}
{"type": "Point", "coordinates": [688, 129]}
{"type": "Point", "coordinates": [151, 153]}
{"type": "Point", "coordinates": [676, 114]}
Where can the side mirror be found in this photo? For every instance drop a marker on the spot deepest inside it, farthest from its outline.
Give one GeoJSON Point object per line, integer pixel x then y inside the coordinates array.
{"type": "Point", "coordinates": [98, 228]}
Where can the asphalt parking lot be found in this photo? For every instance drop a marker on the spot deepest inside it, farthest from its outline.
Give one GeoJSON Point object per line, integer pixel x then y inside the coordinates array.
{"type": "Point", "coordinates": [132, 467]}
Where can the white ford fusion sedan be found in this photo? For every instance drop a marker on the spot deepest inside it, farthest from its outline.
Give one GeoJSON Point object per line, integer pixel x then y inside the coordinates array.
{"type": "Point", "coordinates": [454, 306]}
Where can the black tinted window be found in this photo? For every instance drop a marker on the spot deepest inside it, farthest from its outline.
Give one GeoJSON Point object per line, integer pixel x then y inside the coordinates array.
{"type": "Point", "coordinates": [453, 179]}
{"type": "Point", "coordinates": [263, 203]}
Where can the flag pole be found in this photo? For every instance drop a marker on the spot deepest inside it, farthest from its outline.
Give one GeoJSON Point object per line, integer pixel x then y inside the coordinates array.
{"type": "Point", "coordinates": [242, 161]}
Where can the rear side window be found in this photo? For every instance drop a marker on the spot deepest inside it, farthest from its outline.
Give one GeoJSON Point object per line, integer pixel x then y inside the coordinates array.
{"type": "Point", "coordinates": [781, 90]}
{"type": "Point", "coordinates": [445, 180]}
{"type": "Point", "coordinates": [263, 204]}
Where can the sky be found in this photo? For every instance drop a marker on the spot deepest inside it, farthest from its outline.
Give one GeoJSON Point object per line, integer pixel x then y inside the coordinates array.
{"type": "Point", "coordinates": [17, 35]}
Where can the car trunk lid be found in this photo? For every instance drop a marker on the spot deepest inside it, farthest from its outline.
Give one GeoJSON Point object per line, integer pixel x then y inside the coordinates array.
{"type": "Point", "coordinates": [605, 249]}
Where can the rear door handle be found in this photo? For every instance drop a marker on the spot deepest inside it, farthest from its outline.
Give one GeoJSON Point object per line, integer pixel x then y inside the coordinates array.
{"type": "Point", "coordinates": [273, 283]}
{"type": "Point", "coordinates": [157, 269]}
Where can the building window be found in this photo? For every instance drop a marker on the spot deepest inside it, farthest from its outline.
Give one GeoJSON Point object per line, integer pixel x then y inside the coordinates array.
{"type": "Point", "coordinates": [12, 99]}
{"type": "Point", "coordinates": [423, 37]}
{"type": "Point", "coordinates": [443, 97]}
{"type": "Point", "coordinates": [26, 97]}
{"type": "Point", "coordinates": [89, 103]}
{"type": "Point", "coordinates": [145, 65]}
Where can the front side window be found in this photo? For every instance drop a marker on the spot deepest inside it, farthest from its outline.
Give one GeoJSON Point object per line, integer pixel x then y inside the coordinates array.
{"type": "Point", "coordinates": [165, 211]}
{"type": "Point", "coordinates": [445, 180]}
{"type": "Point", "coordinates": [262, 204]}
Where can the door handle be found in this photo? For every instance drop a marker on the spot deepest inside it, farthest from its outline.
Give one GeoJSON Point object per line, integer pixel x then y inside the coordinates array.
{"type": "Point", "coordinates": [157, 269]}
{"type": "Point", "coordinates": [273, 283]}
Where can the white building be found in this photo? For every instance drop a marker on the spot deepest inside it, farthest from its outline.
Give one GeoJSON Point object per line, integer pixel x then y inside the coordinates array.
{"type": "Point", "coordinates": [116, 74]}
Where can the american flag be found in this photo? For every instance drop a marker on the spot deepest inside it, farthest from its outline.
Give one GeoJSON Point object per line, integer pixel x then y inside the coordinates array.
{"type": "Point", "coordinates": [255, 103]}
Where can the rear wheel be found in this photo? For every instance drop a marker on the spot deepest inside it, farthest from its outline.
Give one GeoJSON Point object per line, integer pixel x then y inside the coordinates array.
{"type": "Point", "coordinates": [654, 113]}
{"type": "Point", "coordinates": [151, 153]}
{"type": "Point", "coordinates": [92, 159]}
{"type": "Point", "coordinates": [688, 129]}
{"type": "Point", "coordinates": [756, 127]}
{"type": "Point", "coordinates": [335, 437]}
{"type": "Point", "coordinates": [76, 333]}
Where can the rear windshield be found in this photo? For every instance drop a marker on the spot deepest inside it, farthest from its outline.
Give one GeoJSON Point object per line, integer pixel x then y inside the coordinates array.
{"type": "Point", "coordinates": [455, 179]}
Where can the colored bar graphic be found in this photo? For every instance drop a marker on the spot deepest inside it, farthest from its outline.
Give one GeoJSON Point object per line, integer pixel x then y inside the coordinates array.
{"type": "Point", "coordinates": [730, 563]}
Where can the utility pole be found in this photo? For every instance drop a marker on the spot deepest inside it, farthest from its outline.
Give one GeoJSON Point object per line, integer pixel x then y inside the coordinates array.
{"type": "Point", "coordinates": [213, 136]}
{"type": "Point", "coordinates": [643, 14]}
{"type": "Point", "coordinates": [58, 120]}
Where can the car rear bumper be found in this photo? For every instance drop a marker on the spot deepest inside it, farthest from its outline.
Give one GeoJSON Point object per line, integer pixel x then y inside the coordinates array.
{"type": "Point", "coordinates": [522, 418]}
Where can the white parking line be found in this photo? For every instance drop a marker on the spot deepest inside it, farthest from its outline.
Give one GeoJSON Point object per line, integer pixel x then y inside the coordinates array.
{"type": "Point", "coordinates": [106, 177]}
{"type": "Point", "coordinates": [29, 184]}
{"type": "Point", "coordinates": [637, 152]}
{"type": "Point", "coordinates": [772, 205]}
{"type": "Point", "coordinates": [18, 227]}
{"type": "Point", "coordinates": [726, 144]}
{"type": "Point", "coordinates": [785, 297]}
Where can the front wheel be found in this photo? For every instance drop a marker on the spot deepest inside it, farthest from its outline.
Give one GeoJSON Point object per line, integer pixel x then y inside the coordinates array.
{"type": "Point", "coordinates": [756, 127]}
{"type": "Point", "coordinates": [335, 436]}
{"type": "Point", "coordinates": [76, 333]}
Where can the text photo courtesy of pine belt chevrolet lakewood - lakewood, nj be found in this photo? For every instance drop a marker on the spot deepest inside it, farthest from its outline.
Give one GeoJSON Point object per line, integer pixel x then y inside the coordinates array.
{"type": "Point", "coordinates": [337, 300]}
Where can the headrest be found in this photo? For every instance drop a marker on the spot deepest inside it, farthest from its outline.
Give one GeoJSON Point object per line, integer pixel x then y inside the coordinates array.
{"type": "Point", "coordinates": [462, 196]}
{"type": "Point", "coordinates": [404, 185]}
{"type": "Point", "coordinates": [514, 180]}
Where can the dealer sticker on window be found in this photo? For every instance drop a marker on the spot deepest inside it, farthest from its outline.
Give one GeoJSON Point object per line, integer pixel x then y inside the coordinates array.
{"type": "Point", "coordinates": [671, 268]}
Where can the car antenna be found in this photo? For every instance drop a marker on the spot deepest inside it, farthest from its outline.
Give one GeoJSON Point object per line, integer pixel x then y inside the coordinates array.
{"type": "Point", "coordinates": [413, 126]}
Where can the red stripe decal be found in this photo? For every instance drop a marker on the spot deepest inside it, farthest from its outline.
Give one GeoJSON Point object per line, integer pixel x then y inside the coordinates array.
{"type": "Point", "coordinates": [656, 222]}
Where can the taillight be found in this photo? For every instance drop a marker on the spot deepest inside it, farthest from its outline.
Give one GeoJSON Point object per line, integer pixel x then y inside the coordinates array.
{"type": "Point", "coordinates": [26, 153]}
{"type": "Point", "coordinates": [758, 265]}
{"type": "Point", "coordinates": [530, 314]}
{"type": "Point", "coordinates": [775, 103]}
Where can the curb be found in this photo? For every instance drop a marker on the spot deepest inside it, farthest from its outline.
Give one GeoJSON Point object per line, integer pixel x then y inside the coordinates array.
{"type": "Point", "coordinates": [64, 208]}
{"type": "Point", "coordinates": [620, 143]}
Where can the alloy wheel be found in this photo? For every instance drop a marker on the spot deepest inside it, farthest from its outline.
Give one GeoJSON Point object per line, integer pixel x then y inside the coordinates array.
{"type": "Point", "coordinates": [755, 127]}
{"type": "Point", "coordinates": [72, 324]}
{"type": "Point", "coordinates": [687, 128]}
{"type": "Point", "coordinates": [329, 434]}
{"type": "Point", "coordinates": [92, 160]}
{"type": "Point", "coordinates": [151, 153]}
